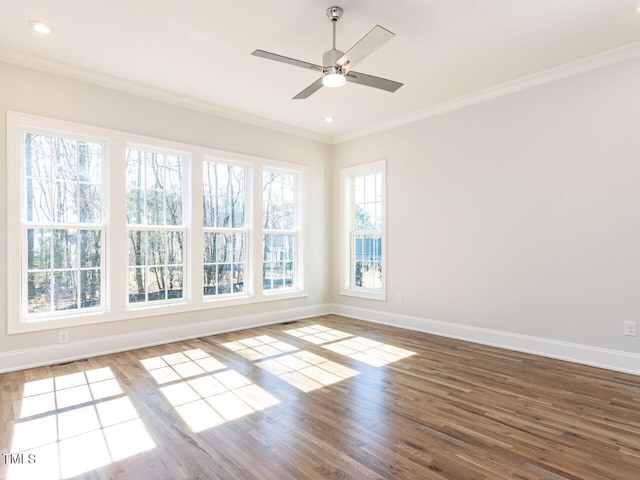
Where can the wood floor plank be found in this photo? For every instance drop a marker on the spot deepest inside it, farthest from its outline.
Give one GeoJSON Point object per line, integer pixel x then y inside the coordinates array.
{"type": "Point", "coordinates": [323, 398]}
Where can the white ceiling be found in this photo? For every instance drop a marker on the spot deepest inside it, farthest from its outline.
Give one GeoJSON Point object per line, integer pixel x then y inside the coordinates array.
{"type": "Point", "coordinates": [201, 49]}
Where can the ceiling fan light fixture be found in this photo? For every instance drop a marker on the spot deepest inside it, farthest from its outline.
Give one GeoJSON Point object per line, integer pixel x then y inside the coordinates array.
{"type": "Point", "coordinates": [333, 80]}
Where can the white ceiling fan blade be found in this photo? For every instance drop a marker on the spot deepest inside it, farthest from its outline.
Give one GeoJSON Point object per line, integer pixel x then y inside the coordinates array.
{"type": "Point", "coordinates": [373, 40]}
{"type": "Point", "coordinates": [283, 59]}
{"type": "Point", "coordinates": [314, 87]}
{"type": "Point", "coordinates": [375, 82]}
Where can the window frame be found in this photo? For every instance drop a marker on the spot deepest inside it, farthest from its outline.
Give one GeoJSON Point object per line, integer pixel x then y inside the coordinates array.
{"type": "Point", "coordinates": [20, 179]}
{"type": "Point", "coordinates": [246, 230]}
{"type": "Point", "coordinates": [347, 230]}
{"type": "Point", "coordinates": [115, 265]}
{"type": "Point", "coordinates": [296, 231]}
{"type": "Point", "coordinates": [164, 228]}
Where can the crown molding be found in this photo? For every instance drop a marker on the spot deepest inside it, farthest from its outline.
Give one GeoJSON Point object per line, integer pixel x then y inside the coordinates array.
{"type": "Point", "coordinates": [134, 88]}
{"type": "Point", "coordinates": [576, 67]}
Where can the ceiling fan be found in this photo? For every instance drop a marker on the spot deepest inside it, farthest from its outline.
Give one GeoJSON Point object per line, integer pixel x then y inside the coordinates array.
{"type": "Point", "coordinates": [336, 65]}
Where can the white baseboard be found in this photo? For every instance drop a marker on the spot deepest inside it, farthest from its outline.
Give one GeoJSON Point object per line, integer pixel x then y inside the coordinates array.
{"type": "Point", "coordinates": [587, 355]}
{"type": "Point", "coordinates": [67, 352]}
{"type": "Point", "coordinates": [572, 352]}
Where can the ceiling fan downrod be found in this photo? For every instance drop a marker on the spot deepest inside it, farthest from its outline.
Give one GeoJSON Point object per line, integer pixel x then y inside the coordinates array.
{"type": "Point", "coordinates": [330, 57]}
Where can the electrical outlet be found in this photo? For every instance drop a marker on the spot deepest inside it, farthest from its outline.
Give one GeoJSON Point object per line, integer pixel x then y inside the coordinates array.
{"type": "Point", "coordinates": [399, 298]}
{"type": "Point", "coordinates": [63, 336]}
{"type": "Point", "coordinates": [631, 329]}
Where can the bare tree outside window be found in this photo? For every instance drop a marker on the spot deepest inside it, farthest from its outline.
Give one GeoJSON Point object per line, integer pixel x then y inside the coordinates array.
{"type": "Point", "coordinates": [154, 215]}
{"type": "Point", "coordinates": [279, 230]}
{"type": "Point", "coordinates": [225, 231]}
{"type": "Point", "coordinates": [64, 226]}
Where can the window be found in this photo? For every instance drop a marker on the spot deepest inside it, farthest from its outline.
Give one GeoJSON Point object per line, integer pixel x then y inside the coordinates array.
{"type": "Point", "coordinates": [279, 241]}
{"type": "Point", "coordinates": [63, 227]}
{"type": "Point", "coordinates": [363, 237]}
{"type": "Point", "coordinates": [155, 226]}
{"type": "Point", "coordinates": [112, 226]}
{"type": "Point", "coordinates": [225, 229]}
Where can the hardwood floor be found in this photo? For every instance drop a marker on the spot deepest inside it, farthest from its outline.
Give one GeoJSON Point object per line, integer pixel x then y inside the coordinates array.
{"type": "Point", "coordinates": [327, 397]}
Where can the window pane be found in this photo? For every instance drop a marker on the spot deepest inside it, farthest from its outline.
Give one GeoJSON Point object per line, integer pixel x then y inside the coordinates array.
{"type": "Point", "coordinates": [223, 195]}
{"type": "Point", "coordinates": [65, 158]}
{"type": "Point", "coordinates": [238, 278]}
{"type": "Point", "coordinates": [63, 188]}
{"type": "Point", "coordinates": [38, 249]}
{"type": "Point", "coordinates": [65, 245]}
{"type": "Point", "coordinates": [157, 284]}
{"type": "Point", "coordinates": [209, 248]}
{"type": "Point", "coordinates": [174, 248]}
{"type": "Point", "coordinates": [65, 291]}
{"type": "Point", "coordinates": [162, 253]}
{"type": "Point", "coordinates": [65, 202]}
{"type": "Point", "coordinates": [90, 288]}
{"type": "Point", "coordinates": [173, 208]}
{"type": "Point", "coordinates": [135, 169]}
{"type": "Point", "coordinates": [173, 173]}
{"type": "Point", "coordinates": [278, 261]}
{"type": "Point", "coordinates": [174, 282]}
{"type": "Point", "coordinates": [90, 203]}
{"type": "Point", "coordinates": [137, 248]}
{"type": "Point", "coordinates": [89, 162]}
{"type": "Point", "coordinates": [154, 171]}
{"type": "Point", "coordinates": [278, 200]}
{"type": "Point", "coordinates": [137, 285]}
{"type": "Point", "coordinates": [39, 200]}
{"type": "Point", "coordinates": [367, 266]}
{"type": "Point", "coordinates": [156, 248]}
{"type": "Point", "coordinates": [37, 156]}
{"type": "Point", "coordinates": [223, 258]}
{"type": "Point", "coordinates": [154, 188]}
{"type": "Point", "coordinates": [209, 280]}
{"type": "Point", "coordinates": [154, 207]}
{"type": "Point", "coordinates": [90, 248]}
{"type": "Point", "coordinates": [39, 292]}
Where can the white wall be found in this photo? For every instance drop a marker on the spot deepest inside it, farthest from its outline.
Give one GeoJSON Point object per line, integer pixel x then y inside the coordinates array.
{"type": "Point", "coordinates": [28, 91]}
{"type": "Point", "coordinates": [519, 215]}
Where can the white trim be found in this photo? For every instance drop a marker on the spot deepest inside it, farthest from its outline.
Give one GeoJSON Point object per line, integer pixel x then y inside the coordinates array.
{"type": "Point", "coordinates": [610, 57]}
{"type": "Point", "coordinates": [116, 307]}
{"type": "Point", "coordinates": [60, 353]}
{"type": "Point", "coordinates": [153, 93]}
{"type": "Point", "coordinates": [599, 60]}
{"type": "Point", "coordinates": [347, 202]}
{"type": "Point", "coordinates": [616, 360]}
{"type": "Point", "coordinates": [571, 352]}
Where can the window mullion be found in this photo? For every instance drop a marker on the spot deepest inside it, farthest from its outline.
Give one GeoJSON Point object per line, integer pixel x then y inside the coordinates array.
{"type": "Point", "coordinates": [195, 260]}
{"type": "Point", "coordinates": [117, 233]}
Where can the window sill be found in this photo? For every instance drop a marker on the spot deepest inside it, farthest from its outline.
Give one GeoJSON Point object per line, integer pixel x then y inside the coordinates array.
{"type": "Point", "coordinates": [364, 293]}
{"type": "Point", "coordinates": [140, 312]}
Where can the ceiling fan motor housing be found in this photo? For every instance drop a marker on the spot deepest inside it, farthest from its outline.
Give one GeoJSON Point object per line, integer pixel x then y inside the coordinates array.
{"type": "Point", "coordinates": [330, 58]}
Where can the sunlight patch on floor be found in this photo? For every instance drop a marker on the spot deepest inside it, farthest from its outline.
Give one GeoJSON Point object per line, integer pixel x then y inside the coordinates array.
{"type": "Point", "coordinates": [369, 351]}
{"type": "Point", "coordinates": [306, 371]}
{"type": "Point", "coordinates": [75, 423]}
{"type": "Point", "coordinates": [204, 391]}
{"type": "Point", "coordinates": [259, 347]}
{"type": "Point", "coordinates": [318, 334]}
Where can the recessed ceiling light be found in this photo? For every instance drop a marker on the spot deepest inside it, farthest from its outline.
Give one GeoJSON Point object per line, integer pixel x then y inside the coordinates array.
{"type": "Point", "coordinates": [329, 119]}
{"type": "Point", "coordinates": [41, 27]}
